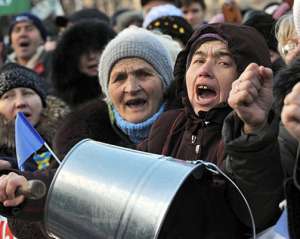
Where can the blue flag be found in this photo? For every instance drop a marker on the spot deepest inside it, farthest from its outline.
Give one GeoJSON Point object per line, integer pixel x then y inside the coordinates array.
{"type": "Point", "coordinates": [281, 227]}
{"type": "Point", "coordinates": [28, 140]}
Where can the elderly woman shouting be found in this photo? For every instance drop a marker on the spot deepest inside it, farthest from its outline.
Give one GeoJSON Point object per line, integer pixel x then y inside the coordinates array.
{"type": "Point", "coordinates": [135, 71]}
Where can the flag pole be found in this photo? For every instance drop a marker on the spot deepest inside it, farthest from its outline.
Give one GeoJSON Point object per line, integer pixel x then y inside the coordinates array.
{"type": "Point", "coordinates": [54, 155]}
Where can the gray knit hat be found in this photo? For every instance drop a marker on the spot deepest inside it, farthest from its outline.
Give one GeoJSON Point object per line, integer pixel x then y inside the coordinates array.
{"type": "Point", "coordinates": [13, 76]}
{"type": "Point", "coordinates": [135, 42]}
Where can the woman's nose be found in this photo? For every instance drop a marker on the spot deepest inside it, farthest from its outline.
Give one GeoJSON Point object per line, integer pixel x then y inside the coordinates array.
{"type": "Point", "coordinates": [205, 70]}
{"type": "Point", "coordinates": [132, 85]}
{"type": "Point", "coordinates": [20, 102]}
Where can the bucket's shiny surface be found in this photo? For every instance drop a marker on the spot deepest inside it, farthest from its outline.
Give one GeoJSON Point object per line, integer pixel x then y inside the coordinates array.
{"type": "Point", "coordinates": [104, 191]}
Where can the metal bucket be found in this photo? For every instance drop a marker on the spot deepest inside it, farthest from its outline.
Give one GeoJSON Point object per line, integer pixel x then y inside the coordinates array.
{"type": "Point", "coordinates": [104, 191]}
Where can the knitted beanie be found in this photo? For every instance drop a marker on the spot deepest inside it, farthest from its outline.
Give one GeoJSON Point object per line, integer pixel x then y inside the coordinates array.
{"type": "Point", "coordinates": [135, 42]}
{"type": "Point", "coordinates": [23, 17]}
{"type": "Point", "coordinates": [13, 76]}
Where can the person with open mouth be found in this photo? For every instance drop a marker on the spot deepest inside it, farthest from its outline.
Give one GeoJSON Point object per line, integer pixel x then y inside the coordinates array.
{"type": "Point", "coordinates": [27, 36]}
{"type": "Point", "coordinates": [224, 79]}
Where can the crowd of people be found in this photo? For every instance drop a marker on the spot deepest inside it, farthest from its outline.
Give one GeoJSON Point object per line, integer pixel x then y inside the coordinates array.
{"type": "Point", "coordinates": [168, 81]}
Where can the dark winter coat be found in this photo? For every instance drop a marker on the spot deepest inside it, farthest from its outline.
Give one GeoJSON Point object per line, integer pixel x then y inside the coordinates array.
{"type": "Point", "coordinates": [91, 120]}
{"type": "Point", "coordinates": [49, 122]}
{"type": "Point", "coordinates": [70, 84]}
{"type": "Point", "coordinates": [211, 207]}
{"type": "Point", "coordinates": [285, 80]}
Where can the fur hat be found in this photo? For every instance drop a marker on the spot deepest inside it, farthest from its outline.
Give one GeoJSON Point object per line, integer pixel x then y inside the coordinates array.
{"type": "Point", "coordinates": [25, 17]}
{"type": "Point", "coordinates": [135, 42]}
{"type": "Point", "coordinates": [70, 84]}
{"type": "Point", "coordinates": [13, 76]}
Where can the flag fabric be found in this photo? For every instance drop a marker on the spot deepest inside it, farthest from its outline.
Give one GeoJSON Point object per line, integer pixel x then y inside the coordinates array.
{"type": "Point", "coordinates": [281, 227]}
{"type": "Point", "coordinates": [28, 140]}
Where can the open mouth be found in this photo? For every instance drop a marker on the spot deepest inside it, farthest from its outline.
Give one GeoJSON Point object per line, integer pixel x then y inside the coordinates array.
{"type": "Point", "coordinates": [24, 44]}
{"type": "Point", "coordinates": [205, 92]}
{"type": "Point", "coordinates": [138, 102]}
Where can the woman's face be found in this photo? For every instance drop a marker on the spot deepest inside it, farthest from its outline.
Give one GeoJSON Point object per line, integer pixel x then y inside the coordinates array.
{"type": "Point", "coordinates": [210, 75]}
{"type": "Point", "coordinates": [23, 100]}
{"type": "Point", "coordinates": [88, 63]}
{"type": "Point", "coordinates": [135, 89]}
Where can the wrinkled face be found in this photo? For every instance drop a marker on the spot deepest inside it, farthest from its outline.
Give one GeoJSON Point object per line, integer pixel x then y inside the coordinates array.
{"type": "Point", "coordinates": [210, 75]}
{"type": "Point", "coordinates": [88, 63]}
{"type": "Point", "coordinates": [193, 13]}
{"type": "Point", "coordinates": [25, 39]}
{"type": "Point", "coordinates": [135, 89]}
{"type": "Point", "coordinates": [21, 100]}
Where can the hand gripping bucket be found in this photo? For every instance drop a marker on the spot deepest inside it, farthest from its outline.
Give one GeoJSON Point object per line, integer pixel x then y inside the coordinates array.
{"type": "Point", "coordinates": [104, 191]}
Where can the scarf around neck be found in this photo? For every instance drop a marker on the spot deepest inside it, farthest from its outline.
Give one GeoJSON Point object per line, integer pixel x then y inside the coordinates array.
{"type": "Point", "coordinates": [136, 132]}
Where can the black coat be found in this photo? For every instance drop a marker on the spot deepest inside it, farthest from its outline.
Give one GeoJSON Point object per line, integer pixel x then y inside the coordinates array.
{"type": "Point", "coordinates": [92, 121]}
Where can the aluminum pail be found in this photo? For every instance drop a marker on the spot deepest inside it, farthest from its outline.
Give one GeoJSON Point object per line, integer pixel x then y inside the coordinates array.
{"type": "Point", "coordinates": [104, 191]}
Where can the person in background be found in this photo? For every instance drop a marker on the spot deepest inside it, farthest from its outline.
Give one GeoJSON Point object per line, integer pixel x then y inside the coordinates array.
{"type": "Point", "coordinates": [193, 11]}
{"type": "Point", "coordinates": [265, 25]}
{"type": "Point", "coordinates": [27, 36]}
{"type": "Point", "coordinates": [168, 19]}
{"type": "Point", "coordinates": [288, 41]}
{"type": "Point", "coordinates": [128, 18]}
{"type": "Point", "coordinates": [64, 22]}
{"type": "Point", "coordinates": [75, 61]}
{"type": "Point", "coordinates": [22, 90]}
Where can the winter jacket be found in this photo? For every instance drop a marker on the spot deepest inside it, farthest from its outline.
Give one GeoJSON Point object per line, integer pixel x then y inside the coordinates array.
{"type": "Point", "coordinates": [91, 120]}
{"type": "Point", "coordinates": [214, 209]}
{"type": "Point", "coordinates": [41, 64]}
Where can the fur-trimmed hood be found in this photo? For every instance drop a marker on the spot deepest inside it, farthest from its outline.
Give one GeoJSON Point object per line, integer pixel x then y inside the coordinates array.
{"type": "Point", "coordinates": [56, 109]}
{"type": "Point", "coordinates": [70, 84]}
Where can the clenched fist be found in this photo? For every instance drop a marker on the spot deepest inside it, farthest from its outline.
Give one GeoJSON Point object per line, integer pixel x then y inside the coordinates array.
{"type": "Point", "coordinates": [251, 96]}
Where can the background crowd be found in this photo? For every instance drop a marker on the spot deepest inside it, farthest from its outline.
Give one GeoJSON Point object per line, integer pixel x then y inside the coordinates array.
{"type": "Point", "coordinates": [166, 79]}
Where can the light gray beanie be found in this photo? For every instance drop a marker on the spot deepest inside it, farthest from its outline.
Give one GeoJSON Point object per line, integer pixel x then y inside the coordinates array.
{"type": "Point", "coordinates": [135, 42]}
